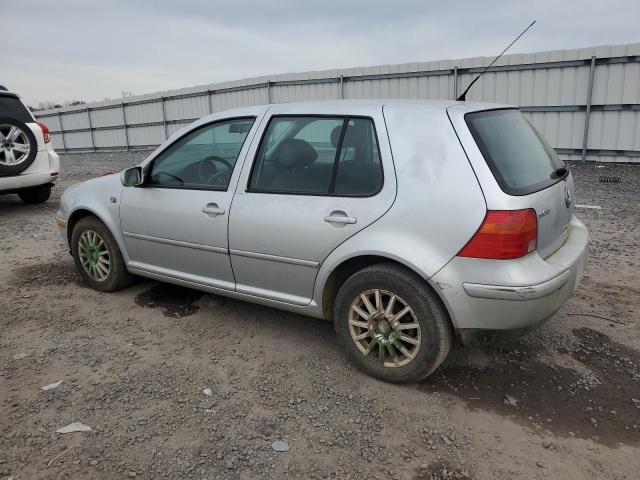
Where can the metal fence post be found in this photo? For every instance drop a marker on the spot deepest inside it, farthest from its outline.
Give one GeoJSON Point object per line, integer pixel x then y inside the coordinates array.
{"type": "Point", "coordinates": [585, 135]}
{"type": "Point", "coordinates": [124, 123]}
{"type": "Point", "coordinates": [342, 86]}
{"type": "Point", "coordinates": [455, 82]}
{"type": "Point", "coordinates": [93, 142]}
{"type": "Point", "coordinates": [164, 119]}
{"type": "Point", "coordinates": [64, 148]}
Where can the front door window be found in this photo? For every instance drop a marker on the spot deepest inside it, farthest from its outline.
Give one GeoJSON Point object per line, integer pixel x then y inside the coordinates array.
{"type": "Point", "coordinates": [204, 159]}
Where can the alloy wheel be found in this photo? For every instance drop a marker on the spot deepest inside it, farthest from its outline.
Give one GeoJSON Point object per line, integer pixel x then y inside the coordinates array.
{"type": "Point", "coordinates": [384, 328]}
{"type": "Point", "coordinates": [14, 145]}
{"type": "Point", "coordinates": [94, 255]}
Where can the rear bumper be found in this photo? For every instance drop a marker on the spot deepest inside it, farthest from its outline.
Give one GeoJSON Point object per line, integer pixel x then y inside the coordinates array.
{"type": "Point", "coordinates": [512, 294]}
{"type": "Point", "coordinates": [15, 183]}
{"type": "Point", "coordinates": [517, 293]}
{"type": "Point", "coordinates": [22, 182]}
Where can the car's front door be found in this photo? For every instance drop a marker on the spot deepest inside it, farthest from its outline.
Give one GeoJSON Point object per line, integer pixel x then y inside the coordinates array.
{"type": "Point", "coordinates": [175, 224]}
{"type": "Point", "coordinates": [317, 178]}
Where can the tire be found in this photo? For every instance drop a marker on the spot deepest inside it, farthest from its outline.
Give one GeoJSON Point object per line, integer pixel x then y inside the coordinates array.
{"type": "Point", "coordinates": [25, 137]}
{"type": "Point", "coordinates": [434, 334]}
{"type": "Point", "coordinates": [36, 194]}
{"type": "Point", "coordinates": [117, 276]}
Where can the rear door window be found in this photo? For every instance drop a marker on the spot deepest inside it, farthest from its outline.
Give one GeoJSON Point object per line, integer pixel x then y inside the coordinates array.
{"type": "Point", "coordinates": [11, 107]}
{"type": "Point", "coordinates": [336, 156]}
{"type": "Point", "coordinates": [519, 157]}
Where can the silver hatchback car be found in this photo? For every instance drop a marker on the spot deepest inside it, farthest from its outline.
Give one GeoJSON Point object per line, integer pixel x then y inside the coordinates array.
{"type": "Point", "coordinates": [404, 223]}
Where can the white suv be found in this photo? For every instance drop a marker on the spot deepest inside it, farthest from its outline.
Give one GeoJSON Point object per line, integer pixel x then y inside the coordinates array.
{"type": "Point", "coordinates": [28, 164]}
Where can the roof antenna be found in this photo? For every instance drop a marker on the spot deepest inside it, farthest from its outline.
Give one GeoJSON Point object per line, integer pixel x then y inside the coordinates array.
{"type": "Point", "coordinates": [462, 97]}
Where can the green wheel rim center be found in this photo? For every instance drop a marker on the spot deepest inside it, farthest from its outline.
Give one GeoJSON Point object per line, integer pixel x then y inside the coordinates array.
{"type": "Point", "coordinates": [94, 255]}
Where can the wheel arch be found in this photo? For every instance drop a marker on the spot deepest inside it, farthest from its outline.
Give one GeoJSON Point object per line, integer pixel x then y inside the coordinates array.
{"type": "Point", "coordinates": [351, 265]}
{"type": "Point", "coordinates": [75, 217]}
{"type": "Point", "coordinates": [82, 212]}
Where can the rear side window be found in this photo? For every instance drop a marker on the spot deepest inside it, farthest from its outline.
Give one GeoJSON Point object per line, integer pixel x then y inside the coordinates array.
{"type": "Point", "coordinates": [11, 107]}
{"type": "Point", "coordinates": [521, 160]}
{"type": "Point", "coordinates": [318, 156]}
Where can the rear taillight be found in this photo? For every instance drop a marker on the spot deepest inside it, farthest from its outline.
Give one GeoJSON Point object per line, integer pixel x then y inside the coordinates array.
{"type": "Point", "coordinates": [504, 234]}
{"type": "Point", "coordinates": [45, 132]}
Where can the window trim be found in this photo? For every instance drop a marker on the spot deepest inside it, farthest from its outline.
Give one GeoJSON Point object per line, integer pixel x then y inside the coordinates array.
{"type": "Point", "coordinates": [345, 121]}
{"type": "Point", "coordinates": [497, 175]}
{"type": "Point", "coordinates": [149, 166]}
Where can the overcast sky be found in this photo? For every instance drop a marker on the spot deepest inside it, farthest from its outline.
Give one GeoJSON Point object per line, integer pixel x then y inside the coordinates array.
{"type": "Point", "coordinates": [81, 49]}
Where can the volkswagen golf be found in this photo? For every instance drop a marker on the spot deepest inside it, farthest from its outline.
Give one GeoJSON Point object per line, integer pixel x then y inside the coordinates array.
{"type": "Point", "coordinates": [407, 224]}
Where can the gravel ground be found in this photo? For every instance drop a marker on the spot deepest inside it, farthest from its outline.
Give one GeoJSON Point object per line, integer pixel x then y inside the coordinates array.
{"type": "Point", "coordinates": [560, 402]}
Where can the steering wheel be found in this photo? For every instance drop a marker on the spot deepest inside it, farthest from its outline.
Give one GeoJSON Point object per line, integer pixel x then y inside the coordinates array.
{"type": "Point", "coordinates": [207, 169]}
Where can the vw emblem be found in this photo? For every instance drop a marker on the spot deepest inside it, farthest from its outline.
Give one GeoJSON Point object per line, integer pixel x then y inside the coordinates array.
{"type": "Point", "coordinates": [567, 197]}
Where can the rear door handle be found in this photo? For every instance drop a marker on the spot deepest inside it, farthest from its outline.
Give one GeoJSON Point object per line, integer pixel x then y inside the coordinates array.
{"type": "Point", "coordinates": [340, 217]}
{"type": "Point", "coordinates": [212, 210]}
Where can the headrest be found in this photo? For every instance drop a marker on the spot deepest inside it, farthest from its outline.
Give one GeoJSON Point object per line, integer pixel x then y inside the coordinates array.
{"type": "Point", "coordinates": [294, 151]}
{"type": "Point", "coordinates": [355, 135]}
{"type": "Point", "coordinates": [335, 135]}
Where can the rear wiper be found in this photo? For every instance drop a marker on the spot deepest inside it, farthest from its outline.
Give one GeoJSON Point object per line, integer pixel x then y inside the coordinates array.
{"type": "Point", "coordinates": [560, 172]}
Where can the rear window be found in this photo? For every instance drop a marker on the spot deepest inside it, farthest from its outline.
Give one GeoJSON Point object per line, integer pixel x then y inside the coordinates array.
{"type": "Point", "coordinates": [13, 108]}
{"type": "Point", "coordinates": [521, 160]}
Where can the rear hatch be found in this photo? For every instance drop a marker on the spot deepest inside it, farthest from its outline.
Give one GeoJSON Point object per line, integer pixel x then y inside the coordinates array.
{"type": "Point", "coordinates": [525, 166]}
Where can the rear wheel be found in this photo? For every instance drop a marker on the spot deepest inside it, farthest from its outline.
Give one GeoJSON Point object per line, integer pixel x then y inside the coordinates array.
{"type": "Point", "coordinates": [98, 257]}
{"type": "Point", "coordinates": [391, 325]}
{"type": "Point", "coordinates": [36, 194]}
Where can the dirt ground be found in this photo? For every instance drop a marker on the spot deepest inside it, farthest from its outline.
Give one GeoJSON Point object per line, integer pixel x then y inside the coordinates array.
{"type": "Point", "coordinates": [560, 402]}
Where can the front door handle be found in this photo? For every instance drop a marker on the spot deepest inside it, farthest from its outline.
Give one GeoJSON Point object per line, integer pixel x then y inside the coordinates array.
{"type": "Point", "coordinates": [212, 210]}
{"type": "Point", "coordinates": [340, 218]}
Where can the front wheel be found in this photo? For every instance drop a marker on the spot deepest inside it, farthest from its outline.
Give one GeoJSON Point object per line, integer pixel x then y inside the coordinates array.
{"type": "Point", "coordinates": [98, 257]}
{"type": "Point", "coordinates": [391, 325]}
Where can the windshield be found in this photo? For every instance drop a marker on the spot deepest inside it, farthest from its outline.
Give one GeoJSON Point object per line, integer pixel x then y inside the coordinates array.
{"type": "Point", "coordinates": [520, 159]}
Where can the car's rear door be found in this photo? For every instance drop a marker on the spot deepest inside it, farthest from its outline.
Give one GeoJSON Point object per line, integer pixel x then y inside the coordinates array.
{"type": "Point", "coordinates": [175, 224]}
{"type": "Point", "coordinates": [295, 203]}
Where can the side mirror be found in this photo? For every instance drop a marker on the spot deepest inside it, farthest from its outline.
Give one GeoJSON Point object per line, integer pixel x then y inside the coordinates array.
{"type": "Point", "coordinates": [132, 177]}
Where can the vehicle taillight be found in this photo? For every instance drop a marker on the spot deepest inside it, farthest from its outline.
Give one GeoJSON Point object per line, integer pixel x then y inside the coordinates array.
{"type": "Point", "coordinates": [503, 235]}
{"type": "Point", "coordinates": [45, 132]}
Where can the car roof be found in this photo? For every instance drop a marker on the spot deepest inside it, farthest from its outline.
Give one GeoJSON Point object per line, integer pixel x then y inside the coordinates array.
{"type": "Point", "coordinates": [343, 105]}
{"type": "Point", "coordinates": [396, 102]}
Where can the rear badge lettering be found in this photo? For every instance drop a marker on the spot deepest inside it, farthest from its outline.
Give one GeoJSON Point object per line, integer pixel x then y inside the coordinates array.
{"type": "Point", "coordinates": [544, 212]}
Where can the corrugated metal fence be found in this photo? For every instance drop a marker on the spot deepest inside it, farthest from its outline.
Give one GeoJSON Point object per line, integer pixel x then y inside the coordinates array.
{"type": "Point", "coordinates": [586, 101]}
